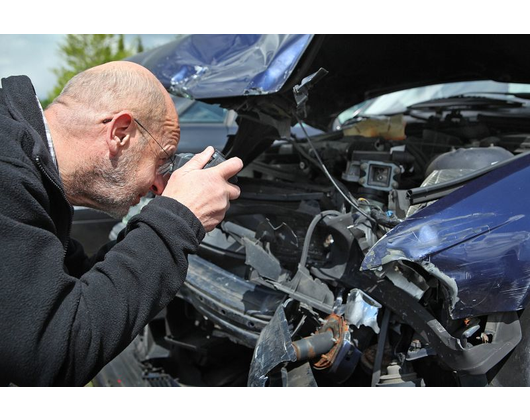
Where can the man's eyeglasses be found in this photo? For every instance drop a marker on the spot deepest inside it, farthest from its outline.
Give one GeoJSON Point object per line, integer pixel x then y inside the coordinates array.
{"type": "Point", "coordinates": [167, 167]}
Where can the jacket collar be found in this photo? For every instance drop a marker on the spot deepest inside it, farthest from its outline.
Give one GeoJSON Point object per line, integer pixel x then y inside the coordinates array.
{"type": "Point", "coordinates": [22, 102]}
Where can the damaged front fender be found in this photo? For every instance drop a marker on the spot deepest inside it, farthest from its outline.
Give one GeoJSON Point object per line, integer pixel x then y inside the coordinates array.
{"type": "Point", "coordinates": [475, 241]}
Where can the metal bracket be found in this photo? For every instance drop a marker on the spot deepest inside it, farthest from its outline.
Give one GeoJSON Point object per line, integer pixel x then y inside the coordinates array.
{"type": "Point", "coordinates": [301, 91]}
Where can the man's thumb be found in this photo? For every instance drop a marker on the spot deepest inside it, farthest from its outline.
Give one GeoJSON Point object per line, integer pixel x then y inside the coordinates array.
{"type": "Point", "coordinates": [200, 159]}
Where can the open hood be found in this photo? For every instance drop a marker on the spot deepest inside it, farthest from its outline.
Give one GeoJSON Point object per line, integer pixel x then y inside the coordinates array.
{"type": "Point", "coordinates": [239, 71]}
{"type": "Point", "coordinates": [222, 66]}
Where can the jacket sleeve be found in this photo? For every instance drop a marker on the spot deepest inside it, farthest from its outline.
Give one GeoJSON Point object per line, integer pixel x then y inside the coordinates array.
{"type": "Point", "coordinates": [78, 262]}
{"type": "Point", "coordinates": [57, 329]}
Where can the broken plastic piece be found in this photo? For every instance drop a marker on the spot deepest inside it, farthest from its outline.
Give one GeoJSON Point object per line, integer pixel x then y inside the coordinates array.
{"type": "Point", "coordinates": [361, 309]}
{"type": "Point", "coordinates": [274, 346]}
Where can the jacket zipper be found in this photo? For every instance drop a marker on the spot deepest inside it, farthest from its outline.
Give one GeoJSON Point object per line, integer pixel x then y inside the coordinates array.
{"type": "Point", "coordinates": [43, 170]}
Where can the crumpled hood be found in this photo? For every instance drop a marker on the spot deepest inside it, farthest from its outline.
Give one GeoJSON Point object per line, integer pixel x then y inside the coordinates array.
{"type": "Point", "coordinates": [233, 70]}
{"type": "Point", "coordinates": [222, 66]}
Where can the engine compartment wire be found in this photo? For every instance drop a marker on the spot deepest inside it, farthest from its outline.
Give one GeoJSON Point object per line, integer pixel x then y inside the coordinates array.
{"type": "Point", "coordinates": [319, 163]}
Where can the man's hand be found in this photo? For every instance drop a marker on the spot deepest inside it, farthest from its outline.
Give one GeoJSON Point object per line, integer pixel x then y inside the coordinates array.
{"type": "Point", "coordinates": [206, 192]}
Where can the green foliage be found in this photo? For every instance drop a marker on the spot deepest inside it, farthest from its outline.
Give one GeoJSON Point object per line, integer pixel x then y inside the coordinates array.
{"type": "Point", "coordinates": [81, 52]}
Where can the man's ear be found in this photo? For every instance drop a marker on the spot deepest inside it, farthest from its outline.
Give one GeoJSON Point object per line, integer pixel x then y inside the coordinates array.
{"type": "Point", "coordinates": [119, 133]}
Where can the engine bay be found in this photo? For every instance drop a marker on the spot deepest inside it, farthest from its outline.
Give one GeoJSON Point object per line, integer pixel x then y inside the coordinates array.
{"type": "Point", "coordinates": [283, 270]}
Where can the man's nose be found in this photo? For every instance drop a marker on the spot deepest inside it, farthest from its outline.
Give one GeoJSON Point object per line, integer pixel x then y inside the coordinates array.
{"type": "Point", "coordinates": [159, 184]}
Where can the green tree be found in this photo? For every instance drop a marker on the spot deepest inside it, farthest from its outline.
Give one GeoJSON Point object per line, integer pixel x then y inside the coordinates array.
{"type": "Point", "coordinates": [139, 45]}
{"type": "Point", "coordinates": [81, 52]}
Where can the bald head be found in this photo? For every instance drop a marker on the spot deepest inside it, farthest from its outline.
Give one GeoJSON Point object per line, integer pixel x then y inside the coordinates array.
{"type": "Point", "coordinates": [112, 87]}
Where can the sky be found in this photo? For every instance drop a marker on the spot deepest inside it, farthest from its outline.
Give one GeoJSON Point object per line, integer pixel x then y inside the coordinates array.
{"type": "Point", "coordinates": [36, 55]}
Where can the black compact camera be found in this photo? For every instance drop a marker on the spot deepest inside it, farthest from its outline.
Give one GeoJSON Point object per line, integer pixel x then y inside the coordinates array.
{"type": "Point", "coordinates": [215, 159]}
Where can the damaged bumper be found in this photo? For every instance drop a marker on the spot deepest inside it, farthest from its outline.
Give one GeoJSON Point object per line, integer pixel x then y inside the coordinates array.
{"type": "Point", "coordinates": [476, 242]}
{"type": "Point", "coordinates": [242, 313]}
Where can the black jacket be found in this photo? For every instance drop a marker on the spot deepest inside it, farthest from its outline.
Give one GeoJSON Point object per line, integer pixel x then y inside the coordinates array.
{"type": "Point", "coordinates": [59, 323]}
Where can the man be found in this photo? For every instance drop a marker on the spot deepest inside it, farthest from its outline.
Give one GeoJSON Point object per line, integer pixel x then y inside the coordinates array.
{"type": "Point", "coordinates": [104, 142]}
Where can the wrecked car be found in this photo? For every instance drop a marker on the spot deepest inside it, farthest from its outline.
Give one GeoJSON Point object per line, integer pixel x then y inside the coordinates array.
{"type": "Point", "coordinates": [392, 250]}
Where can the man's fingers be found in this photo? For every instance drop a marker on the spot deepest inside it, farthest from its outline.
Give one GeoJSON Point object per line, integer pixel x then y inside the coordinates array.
{"type": "Point", "coordinates": [206, 192]}
{"type": "Point", "coordinates": [200, 159]}
{"type": "Point", "coordinates": [230, 167]}
{"type": "Point", "coordinates": [233, 192]}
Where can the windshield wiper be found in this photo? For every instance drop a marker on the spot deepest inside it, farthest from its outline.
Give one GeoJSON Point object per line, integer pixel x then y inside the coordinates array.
{"type": "Point", "coordinates": [466, 102]}
{"type": "Point", "coordinates": [521, 95]}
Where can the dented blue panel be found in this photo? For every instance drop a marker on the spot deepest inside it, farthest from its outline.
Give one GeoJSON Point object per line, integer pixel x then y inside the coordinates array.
{"type": "Point", "coordinates": [221, 66]}
{"type": "Point", "coordinates": [475, 240]}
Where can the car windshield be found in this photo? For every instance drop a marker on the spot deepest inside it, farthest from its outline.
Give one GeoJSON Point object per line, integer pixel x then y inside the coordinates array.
{"type": "Point", "coordinates": [398, 102]}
